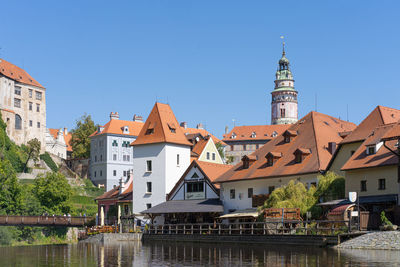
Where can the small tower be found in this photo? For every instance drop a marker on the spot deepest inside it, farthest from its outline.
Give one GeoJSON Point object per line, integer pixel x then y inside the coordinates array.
{"type": "Point", "coordinates": [284, 96]}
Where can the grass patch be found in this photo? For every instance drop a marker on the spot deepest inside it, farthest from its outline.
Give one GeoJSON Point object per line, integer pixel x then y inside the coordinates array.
{"type": "Point", "coordinates": [49, 161]}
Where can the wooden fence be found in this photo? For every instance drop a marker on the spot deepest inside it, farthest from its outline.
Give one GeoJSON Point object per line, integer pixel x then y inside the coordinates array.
{"type": "Point", "coordinates": [292, 227]}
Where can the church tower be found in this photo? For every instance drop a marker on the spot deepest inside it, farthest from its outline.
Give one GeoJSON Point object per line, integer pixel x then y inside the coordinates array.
{"type": "Point", "coordinates": [284, 96]}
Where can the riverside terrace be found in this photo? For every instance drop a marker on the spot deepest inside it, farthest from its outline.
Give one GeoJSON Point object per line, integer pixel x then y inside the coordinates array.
{"type": "Point", "coordinates": [16, 220]}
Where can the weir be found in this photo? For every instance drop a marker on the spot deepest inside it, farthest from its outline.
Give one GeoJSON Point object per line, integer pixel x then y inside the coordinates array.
{"type": "Point", "coordinates": [66, 221]}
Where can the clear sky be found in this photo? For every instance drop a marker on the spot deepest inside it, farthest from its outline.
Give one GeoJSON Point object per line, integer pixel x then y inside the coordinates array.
{"type": "Point", "coordinates": [212, 61]}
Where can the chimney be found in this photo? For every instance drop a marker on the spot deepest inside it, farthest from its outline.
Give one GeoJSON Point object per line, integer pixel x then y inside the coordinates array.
{"type": "Point", "coordinates": [137, 118]}
{"type": "Point", "coordinates": [121, 185]}
{"type": "Point", "coordinates": [199, 126]}
{"type": "Point", "coordinates": [65, 131]}
{"type": "Point", "coordinates": [114, 116]}
{"type": "Point", "coordinates": [60, 135]}
{"type": "Point", "coordinates": [184, 124]}
{"type": "Point", "coordinates": [100, 129]}
{"type": "Point", "coordinates": [332, 147]}
{"type": "Point", "coordinates": [226, 129]}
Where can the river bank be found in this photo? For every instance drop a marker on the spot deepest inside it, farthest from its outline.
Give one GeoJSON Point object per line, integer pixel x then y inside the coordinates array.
{"type": "Point", "coordinates": [389, 240]}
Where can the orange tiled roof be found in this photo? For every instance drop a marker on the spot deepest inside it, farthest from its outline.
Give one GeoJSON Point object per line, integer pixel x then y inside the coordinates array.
{"type": "Point", "coordinates": [67, 138]}
{"type": "Point", "coordinates": [263, 132]}
{"type": "Point", "coordinates": [379, 116]}
{"type": "Point", "coordinates": [7, 110]}
{"type": "Point", "coordinates": [17, 74]}
{"type": "Point", "coordinates": [394, 133]}
{"type": "Point", "coordinates": [115, 126]}
{"type": "Point", "coordinates": [199, 146]}
{"type": "Point", "coordinates": [314, 132]}
{"type": "Point", "coordinates": [382, 157]}
{"type": "Point", "coordinates": [163, 128]}
{"type": "Point", "coordinates": [113, 193]}
{"type": "Point", "coordinates": [203, 132]}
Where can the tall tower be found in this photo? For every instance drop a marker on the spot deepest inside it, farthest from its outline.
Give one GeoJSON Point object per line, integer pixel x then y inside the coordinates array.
{"type": "Point", "coordinates": [284, 96]}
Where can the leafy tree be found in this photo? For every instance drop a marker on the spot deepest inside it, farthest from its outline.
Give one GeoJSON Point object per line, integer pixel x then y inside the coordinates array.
{"type": "Point", "coordinates": [11, 200]}
{"type": "Point", "coordinates": [53, 192]}
{"type": "Point", "coordinates": [80, 141]}
{"type": "Point", "coordinates": [33, 148]}
{"type": "Point", "coordinates": [296, 195]}
{"type": "Point", "coordinates": [220, 149]}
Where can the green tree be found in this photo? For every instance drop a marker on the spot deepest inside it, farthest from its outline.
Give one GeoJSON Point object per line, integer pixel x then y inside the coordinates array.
{"type": "Point", "coordinates": [33, 148]}
{"type": "Point", "coordinates": [220, 149]}
{"type": "Point", "coordinates": [11, 200]}
{"type": "Point", "coordinates": [53, 192]}
{"type": "Point", "coordinates": [80, 141]}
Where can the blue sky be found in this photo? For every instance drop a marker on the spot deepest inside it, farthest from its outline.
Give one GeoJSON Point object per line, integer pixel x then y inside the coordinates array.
{"type": "Point", "coordinates": [212, 61]}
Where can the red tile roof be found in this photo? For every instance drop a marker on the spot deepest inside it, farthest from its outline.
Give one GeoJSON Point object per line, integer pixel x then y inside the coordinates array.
{"type": "Point", "coordinates": [115, 126]}
{"type": "Point", "coordinates": [17, 74]}
{"type": "Point", "coordinates": [382, 157]}
{"type": "Point", "coordinates": [203, 132]}
{"type": "Point", "coordinates": [163, 126]}
{"type": "Point", "coordinates": [314, 132]}
{"type": "Point", "coordinates": [379, 116]}
{"type": "Point", "coordinates": [394, 133]}
{"type": "Point", "coordinates": [262, 132]}
{"type": "Point", "coordinates": [67, 138]}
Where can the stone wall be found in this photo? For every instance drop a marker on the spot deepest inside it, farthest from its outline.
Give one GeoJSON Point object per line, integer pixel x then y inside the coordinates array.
{"type": "Point", "coordinates": [376, 240]}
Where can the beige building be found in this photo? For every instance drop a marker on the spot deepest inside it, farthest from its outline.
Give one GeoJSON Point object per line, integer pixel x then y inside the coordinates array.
{"type": "Point", "coordinates": [22, 104]}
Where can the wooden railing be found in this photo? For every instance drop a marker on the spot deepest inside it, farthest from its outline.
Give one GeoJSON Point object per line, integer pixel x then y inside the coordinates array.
{"type": "Point", "coordinates": [292, 227]}
{"type": "Point", "coordinates": [16, 220]}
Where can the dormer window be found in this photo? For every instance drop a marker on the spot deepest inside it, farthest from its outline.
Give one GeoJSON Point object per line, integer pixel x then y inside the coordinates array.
{"type": "Point", "coordinates": [233, 136]}
{"type": "Point", "coordinates": [253, 135]}
{"type": "Point", "coordinates": [288, 135]}
{"type": "Point", "coordinates": [125, 129]}
{"type": "Point", "coordinates": [274, 134]}
{"type": "Point", "coordinates": [371, 150]}
{"type": "Point", "coordinates": [248, 160]}
{"type": "Point", "coordinates": [272, 157]}
{"type": "Point", "coordinates": [150, 129]}
{"type": "Point", "coordinates": [172, 127]}
{"type": "Point", "coordinates": [300, 154]}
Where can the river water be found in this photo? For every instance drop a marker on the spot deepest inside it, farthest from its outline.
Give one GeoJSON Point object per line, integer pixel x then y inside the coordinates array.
{"type": "Point", "coordinates": [191, 254]}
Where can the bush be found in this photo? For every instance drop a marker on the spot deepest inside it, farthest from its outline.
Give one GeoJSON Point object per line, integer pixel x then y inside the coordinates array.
{"type": "Point", "coordinates": [384, 219]}
{"type": "Point", "coordinates": [49, 161]}
{"type": "Point", "coordinates": [5, 236]}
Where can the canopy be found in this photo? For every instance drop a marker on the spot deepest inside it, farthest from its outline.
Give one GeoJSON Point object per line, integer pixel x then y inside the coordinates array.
{"type": "Point", "coordinates": [240, 214]}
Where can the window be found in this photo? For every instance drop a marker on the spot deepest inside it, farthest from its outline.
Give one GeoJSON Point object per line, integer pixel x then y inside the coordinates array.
{"type": "Point", "coordinates": [30, 105]}
{"type": "Point", "coordinates": [114, 173]}
{"type": "Point", "coordinates": [270, 189]}
{"type": "Point", "coordinates": [38, 124]}
{"type": "Point", "coordinates": [114, 143]}
{"type": "Point", "coordinates": [257, 146]}
{"type": "Point", "coordinates": [363, 185]}
{"type": "Point", "coordinates": [18, 122]}
{"type": "Point", "coordinates": [177, 159]}
{"type": "Point", "coordinates": [382, 184]}
{"type": "Point", "coordinates": [17, 102]}
{"type": "Point", "coordinates": [249, 192]}
{"type": "Point", "coordinates": [126, 209]}
{"type": "Point", "coordinates": [95, 174]}
{"type": "Point", "coordinates": [283, 113]}
{"type": "Point", "coordinates": [232, 147]}
{"type": "Point", "coordinates": [128, 158]}
{"type": "Point", "coordinates": [30, 93]}
{"type": "Point", "coordinates": [244, 147]}
{"type": "Point", "coordinates": [95, 158]}
{"type": "Point", "coordinates": [232, 193]}
{"type": "Point", "coordinates": [30, 123]}
{"type": "Point", "coordinates": [195, 187]}
{"type": "Point", "coordinates": [125, 144]}
{"type": "Point", "coordinates": [195, 175]}
{"type": "Point", "coordinates": [114, 156]}
{"type": "Point", "coordinates": [208, 155]}
{"type": "Point", "coordinates": [37, 108]}
{"type": "Point", "coordinates": [298, 158]}
{"type": "Point", "coordinates": [38, 95]}
{"type": "Point", "coordinates": [124, 173]}
{"type": "Point", "coordinates": [101, 173]}
{"type": "Point", "coordinates": [213, 156]}
{"type": "Point", "coordinates": [101, 157]}
{"type": "Point", "coordinates": [148, 187]}
{"type": "Point", "coordinates": [149, 167]}
{"type": "Point", "coordinates": [172, 128]}
{"type": "Point", "coordinates": [149, 131]}
{"type": "Point", "coordinates": [371, 150]}
{"type": "Point", "coordinates": [148, 205]}
{"type": "Point", "coordinates": [352, 152]}
{"type": "Point", "coordinates": [17, 90]}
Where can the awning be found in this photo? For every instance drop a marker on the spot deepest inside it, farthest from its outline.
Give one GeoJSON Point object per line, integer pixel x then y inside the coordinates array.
{"type": "Point", "coordinates": [378, 199]}
{"type": "Point", "coordinates": [187, 206]}
{"type": "Point", "coordinates": [241, 214]}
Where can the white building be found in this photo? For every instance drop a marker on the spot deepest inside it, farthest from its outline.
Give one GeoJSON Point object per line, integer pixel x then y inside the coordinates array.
{"type": "Point", "coordinates": [110, 150]}
{"type": "Point", "coordinates": [161, 154]}
{"type": "Point", "coordinates": [22, 104]}
{"type": "Point", "coordinates": [58, 142]}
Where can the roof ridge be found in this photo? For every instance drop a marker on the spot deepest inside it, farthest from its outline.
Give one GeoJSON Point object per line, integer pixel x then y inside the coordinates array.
{"type": "Point", "coordinates": [161, 121]}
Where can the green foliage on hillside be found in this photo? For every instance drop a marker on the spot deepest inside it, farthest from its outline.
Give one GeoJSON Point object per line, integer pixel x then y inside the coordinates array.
{"type": "Point", "coordinates": [296, 195]}
{"type": "Point", "coordinates": [10, 151]}
{"type": "Point", "coordinates": [49, 161]}
{"type": "Point", "coordinates": [11, 198]}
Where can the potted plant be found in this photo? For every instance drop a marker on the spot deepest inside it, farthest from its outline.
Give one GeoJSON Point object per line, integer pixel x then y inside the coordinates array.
{"type": "Point", "coordinates": [386, 224]}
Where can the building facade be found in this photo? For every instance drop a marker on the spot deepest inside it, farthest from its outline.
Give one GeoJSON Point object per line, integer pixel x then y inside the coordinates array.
{"type": "Point", "coordinates": [22, 104]}
{"type": "Point", "coordinates": [58, 142]}
{"type": "Point", "coordinates": [110, 151]}
{"type": "Point", "coordinates": [284, 96]}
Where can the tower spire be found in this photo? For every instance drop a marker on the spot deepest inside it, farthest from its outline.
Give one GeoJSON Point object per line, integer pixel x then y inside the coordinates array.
{"type": "Point", "coordinates": [283, 46]}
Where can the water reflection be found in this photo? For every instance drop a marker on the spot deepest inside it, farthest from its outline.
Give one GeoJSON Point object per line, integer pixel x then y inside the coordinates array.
{"type": "Point", "coordinates": [191, 254]}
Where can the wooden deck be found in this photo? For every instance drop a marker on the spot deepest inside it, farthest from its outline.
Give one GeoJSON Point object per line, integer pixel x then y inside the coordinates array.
{"type": "Point", "coordinates": [17, 220]}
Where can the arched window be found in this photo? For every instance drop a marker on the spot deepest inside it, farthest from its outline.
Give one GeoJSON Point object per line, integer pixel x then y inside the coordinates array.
{"type": "Point", "coordinates": [18, 122]}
